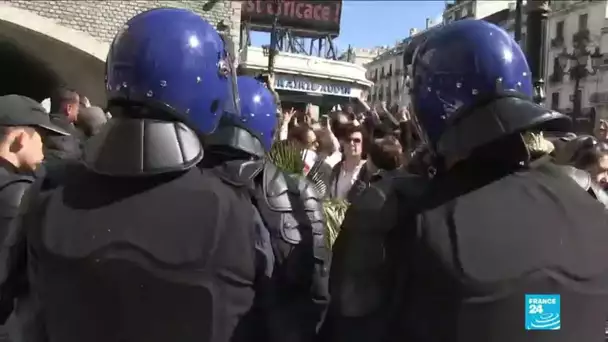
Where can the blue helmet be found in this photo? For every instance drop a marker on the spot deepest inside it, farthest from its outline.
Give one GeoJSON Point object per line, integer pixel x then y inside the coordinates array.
{"type": "Point", "coordinates": [258, 108]}
{"type": "Point", "coordinates": [175, 62]}
{"type": "Point", "coordinates": [471, 85]}
{"type": "Point", "coordinates": [252, 131]}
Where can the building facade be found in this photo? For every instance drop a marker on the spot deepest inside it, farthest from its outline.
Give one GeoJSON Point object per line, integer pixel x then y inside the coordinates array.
{"type": "Point", "coordinates": [386, 71]}
{"type": "Point", "coordinates": [576, 45]}
{"type": "Point", "coordinates": [68, 40]}
{"type": "Point", "coordinates": [464, 9]}
{"type": "Point", "coordinates": [362, 56]}
{"type": "Point", "coordinates": [389, 73]}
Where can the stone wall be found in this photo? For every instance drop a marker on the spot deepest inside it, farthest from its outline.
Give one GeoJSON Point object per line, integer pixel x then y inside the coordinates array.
{"type": "Point", "coordinates": [102, 19]}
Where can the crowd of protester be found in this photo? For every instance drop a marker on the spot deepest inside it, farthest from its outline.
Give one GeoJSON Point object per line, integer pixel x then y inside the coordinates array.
{"type": "Point", "coordinates": [349, 148]}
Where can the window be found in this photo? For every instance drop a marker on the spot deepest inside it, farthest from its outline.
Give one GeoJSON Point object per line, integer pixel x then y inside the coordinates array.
{"type": "Point", "coordinates": [582, 22]}
{"type": "Point", "coordinates": [559, 29]}
{"type": "Point", "coordinates": [555, 100]}
{"type": "Point", "coordinates": [376, 74]}
{"type": "Point", "coordinates": [382, 72]}
{"type": "Point", "coordinates": [390, 69]}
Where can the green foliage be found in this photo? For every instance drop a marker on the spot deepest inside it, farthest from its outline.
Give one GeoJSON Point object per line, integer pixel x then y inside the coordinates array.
{"type": "Point", "coordinates": [287, 156]}
{"type": "Point", "coordinates": [335, 211]}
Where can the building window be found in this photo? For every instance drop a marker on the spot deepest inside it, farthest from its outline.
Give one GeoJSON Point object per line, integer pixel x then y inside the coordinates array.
{"type": "Point", "coordinates": [390, 69]}
{"type": "Point", "coordinates": [559, 29]}
{"type": "Point", "coordinates": [382, 73]}
{"type": "Point", "coordinates": [555, 100]}
{"type": "Point", "coordinates": [582, 22]}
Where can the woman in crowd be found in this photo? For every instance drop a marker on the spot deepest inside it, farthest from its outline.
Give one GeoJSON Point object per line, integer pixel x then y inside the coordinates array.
{"type": "Point", "coordinates": [592, 156]}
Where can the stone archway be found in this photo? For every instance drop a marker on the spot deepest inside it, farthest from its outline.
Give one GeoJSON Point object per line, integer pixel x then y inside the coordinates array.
{"type": "Point", "coordinates": [39, 51]}
{"type": "Point", "coordinates": [24, 74]}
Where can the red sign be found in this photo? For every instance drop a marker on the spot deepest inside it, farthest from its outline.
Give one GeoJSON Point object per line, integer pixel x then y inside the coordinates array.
{"type": "Point", "coordinates": [304, 17]}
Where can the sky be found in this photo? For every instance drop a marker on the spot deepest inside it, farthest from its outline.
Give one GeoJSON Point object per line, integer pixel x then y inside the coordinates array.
{"type": "Point", "coordinates": [366, 24]}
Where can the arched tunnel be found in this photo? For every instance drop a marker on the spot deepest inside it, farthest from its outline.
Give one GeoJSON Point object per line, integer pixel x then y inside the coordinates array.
{"type": "Point", "coordinates": [24, 74]}
{"type": "Point", "coordinates": [34, 64]}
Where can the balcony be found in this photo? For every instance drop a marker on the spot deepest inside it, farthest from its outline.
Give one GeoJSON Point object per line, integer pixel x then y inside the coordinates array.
{"type": "Point", "coordinates": [399, 72]}
{"type": "Point", "coordinates": [557, 42]}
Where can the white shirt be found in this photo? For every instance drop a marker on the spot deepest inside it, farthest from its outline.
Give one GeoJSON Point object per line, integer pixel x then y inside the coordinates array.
{"type": "Point", "coordinates": [310, 158]}
{"type": "Point", "coordinates": [345, 181]}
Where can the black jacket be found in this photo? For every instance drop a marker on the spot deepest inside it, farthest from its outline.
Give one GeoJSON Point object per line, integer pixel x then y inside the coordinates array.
{"type": "Point", "coordinates": [457, 261]}
{"type": "Point", "coordinates": [59, 147]}
{"type": "Point", "coordinates": [155, 258]}
{"type": "Point", "coordinates": [13, 185]}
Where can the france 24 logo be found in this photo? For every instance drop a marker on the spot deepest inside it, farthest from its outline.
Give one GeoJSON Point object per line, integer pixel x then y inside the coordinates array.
{"type": "Point", "coordinates": [543, 312]}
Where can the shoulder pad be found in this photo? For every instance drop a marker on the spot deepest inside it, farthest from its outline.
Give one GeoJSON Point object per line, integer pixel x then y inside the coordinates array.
{"type": "Point", "coordinates": [581, 177]}
{"type": "Point", "coordinates": [239, 172]}
{"type": "Point", "coordinates": [278, 186]}
{"type": "Point", "coordinates": [309, 194]}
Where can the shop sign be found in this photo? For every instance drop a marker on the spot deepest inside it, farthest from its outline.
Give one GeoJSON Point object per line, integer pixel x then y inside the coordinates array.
{"type": "Point", "coordinates": [313, 86]}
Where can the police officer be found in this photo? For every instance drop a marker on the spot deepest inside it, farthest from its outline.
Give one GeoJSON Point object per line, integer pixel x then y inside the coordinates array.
{"type": "Point", "coordinates": [296, 286]}
{"type": "Point", "coordinates": [466, 257]}
{"type": "Point", "coordinates": [139, 244]}
{"type": "Point", "coordinates": [23, 122]}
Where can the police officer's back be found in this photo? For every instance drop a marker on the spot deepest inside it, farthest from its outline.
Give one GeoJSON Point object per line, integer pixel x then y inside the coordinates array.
{"type": "Point", "coordinates": [293, 291]}
{"type": "Point", "coordinates": [494, 225]}
{"type": "Point", "coordinates": [139, 244]}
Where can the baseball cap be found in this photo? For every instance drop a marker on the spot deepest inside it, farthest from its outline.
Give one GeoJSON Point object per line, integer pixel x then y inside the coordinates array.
{"type": "Point", "coordinates": [18, 110]}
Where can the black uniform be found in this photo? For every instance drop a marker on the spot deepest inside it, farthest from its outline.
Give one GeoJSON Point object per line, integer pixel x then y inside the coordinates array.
{"type": "Point", "coordinates": [136, 248]}
{"type": "Point", "coordinates": [472, 245]}
{"type": "Point", "coordinates": [13, 185]}
{"type": "Point", "coordinates": [294, 297]}
{"type": "Point", "coordinates": [18, 111]}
